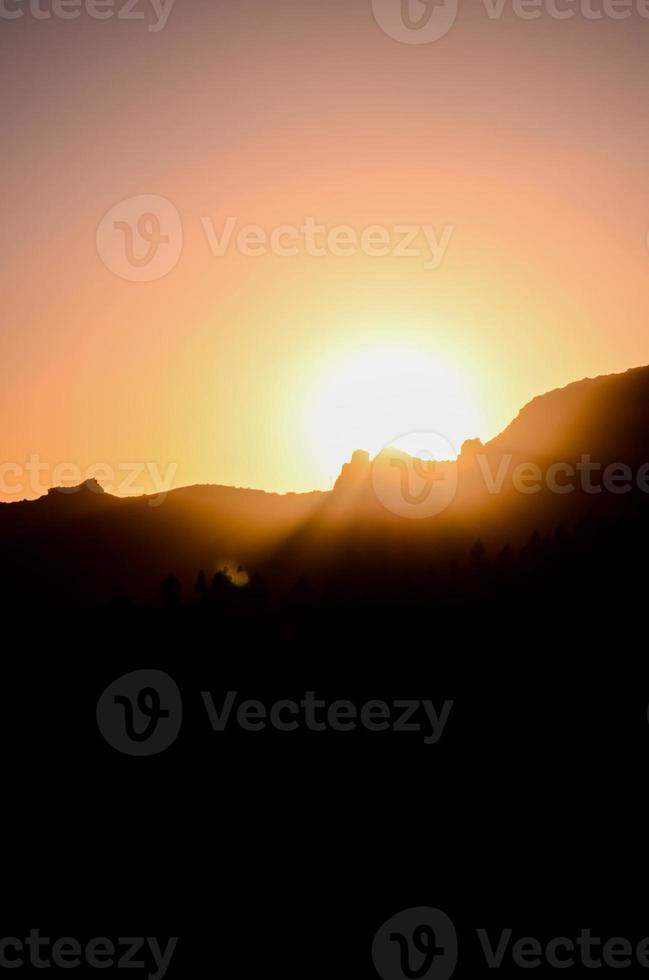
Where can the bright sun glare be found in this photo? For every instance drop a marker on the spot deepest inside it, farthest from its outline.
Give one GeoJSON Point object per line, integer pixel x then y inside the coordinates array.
{"type": "Point", "coordinates": [377, 397]}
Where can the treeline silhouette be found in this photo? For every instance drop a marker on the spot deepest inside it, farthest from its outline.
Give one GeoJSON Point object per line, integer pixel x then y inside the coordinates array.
{"type": "Point", "coordinates": [555, 594]}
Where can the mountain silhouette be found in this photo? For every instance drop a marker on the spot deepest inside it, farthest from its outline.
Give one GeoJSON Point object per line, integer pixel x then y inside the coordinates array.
{"type": "Point", "coordinates": [606, 417]}
{"type": "Point", "coordinates": [80, 547]}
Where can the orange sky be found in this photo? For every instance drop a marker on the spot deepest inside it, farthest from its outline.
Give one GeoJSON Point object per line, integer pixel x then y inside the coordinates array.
{"type": "Point", "coordinates": [525, 139]}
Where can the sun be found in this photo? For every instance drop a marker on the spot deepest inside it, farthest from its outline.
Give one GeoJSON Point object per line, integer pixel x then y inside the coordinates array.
{"type": "Point", "coordinates": [380, 396]}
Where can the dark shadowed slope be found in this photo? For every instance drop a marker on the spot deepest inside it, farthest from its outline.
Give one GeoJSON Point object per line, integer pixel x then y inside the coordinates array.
{"type": "Point", "coordinates": [606, 417]}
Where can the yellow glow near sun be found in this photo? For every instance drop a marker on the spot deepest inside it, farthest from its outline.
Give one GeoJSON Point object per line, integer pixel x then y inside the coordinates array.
{"type": "Point", "coordinates": [375, 398]}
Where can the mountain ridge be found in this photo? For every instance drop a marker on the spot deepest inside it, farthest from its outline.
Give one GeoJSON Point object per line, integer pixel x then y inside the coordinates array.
{"type": "Point", "coordinates": [573, 395]}
{"type": "Point", "coordinates": [85, 547]}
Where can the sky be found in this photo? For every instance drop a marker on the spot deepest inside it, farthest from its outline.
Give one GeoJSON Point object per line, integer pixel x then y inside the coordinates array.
{"type": "Point", "coordinates": [443, 227]}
